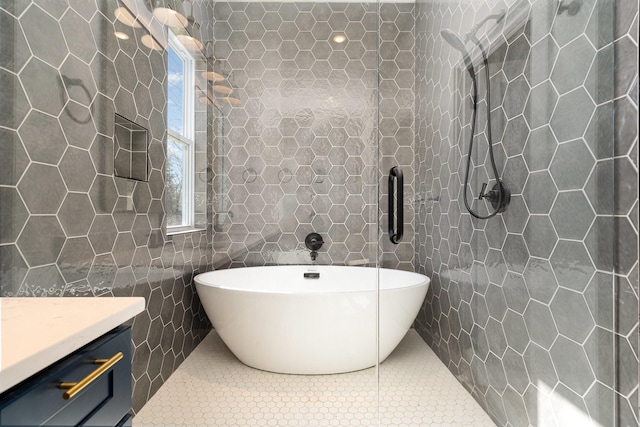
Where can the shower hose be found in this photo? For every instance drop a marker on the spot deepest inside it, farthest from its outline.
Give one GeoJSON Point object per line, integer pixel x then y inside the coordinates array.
{"type": "Point", "coordinates": [474, 115]}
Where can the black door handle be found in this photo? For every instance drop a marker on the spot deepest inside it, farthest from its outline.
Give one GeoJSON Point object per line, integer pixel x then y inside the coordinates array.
{"type": "Point", "coordinates": [396, 216]}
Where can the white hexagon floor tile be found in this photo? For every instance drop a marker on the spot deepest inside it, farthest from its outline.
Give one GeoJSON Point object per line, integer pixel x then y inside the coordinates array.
{"type": "Point", "coordinates": [212, 388]}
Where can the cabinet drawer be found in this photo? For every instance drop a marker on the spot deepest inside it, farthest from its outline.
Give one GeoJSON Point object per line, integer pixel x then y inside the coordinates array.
{"type": "Point", "coordinates": [39, 401]}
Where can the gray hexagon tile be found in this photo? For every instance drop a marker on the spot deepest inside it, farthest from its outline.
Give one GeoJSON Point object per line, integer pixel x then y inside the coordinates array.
{"type": "Point", "coordinates": [60, 234]}
{"type": "Point", "coordinates": [552, 127]}
{"type": "Point", "coordinates": [294, 51]}
{"type": "Point", "coordinates": [552, 100]}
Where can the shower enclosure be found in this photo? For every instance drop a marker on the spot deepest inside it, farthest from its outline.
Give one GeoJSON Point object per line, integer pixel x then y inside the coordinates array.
{"type": "Point", "coordinates": [523, 307]}
{"type": "Point", "coordinates": [307, 114]}
{"type": "Point", "coordinates": [526, 307]}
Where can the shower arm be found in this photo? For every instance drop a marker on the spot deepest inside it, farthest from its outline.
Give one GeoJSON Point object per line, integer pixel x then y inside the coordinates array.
{"type": "Point", "coordinates": [471, 35]}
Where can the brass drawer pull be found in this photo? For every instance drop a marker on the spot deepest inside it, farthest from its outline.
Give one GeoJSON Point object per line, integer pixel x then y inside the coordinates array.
{"type": "Point", "coordinates": [75, 388]}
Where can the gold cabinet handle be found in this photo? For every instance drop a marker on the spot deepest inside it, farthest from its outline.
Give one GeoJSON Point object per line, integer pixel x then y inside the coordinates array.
{"type": "Point", "coordinates": [75, 388]}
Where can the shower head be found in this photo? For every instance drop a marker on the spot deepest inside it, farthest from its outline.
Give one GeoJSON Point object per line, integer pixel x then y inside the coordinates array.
{"type": "Point", "coordinates": [454, 41]}
{"type": "Point", "coordinates": [458, 44]}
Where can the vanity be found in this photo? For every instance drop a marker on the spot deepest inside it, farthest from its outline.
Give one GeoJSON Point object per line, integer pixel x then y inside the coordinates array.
{"type": "Point", "coordinates": [66, 361]}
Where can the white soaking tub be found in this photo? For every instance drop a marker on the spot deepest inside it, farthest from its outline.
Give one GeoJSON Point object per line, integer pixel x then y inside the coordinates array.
{"type": "Point", "coordinates": [274, 319]}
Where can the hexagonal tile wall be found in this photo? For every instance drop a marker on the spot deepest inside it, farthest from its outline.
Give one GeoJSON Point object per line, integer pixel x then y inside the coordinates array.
{"type": "Point", "coordinates": [293, 153]}
{"type": "Point", "coordinates": [558, 252]}
{"type": "Point", "coordinates": [300, 148]}
{"type": "Point", "coordinates": [66, 228]}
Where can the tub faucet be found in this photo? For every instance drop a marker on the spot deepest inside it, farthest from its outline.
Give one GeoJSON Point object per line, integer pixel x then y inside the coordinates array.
{"type": "Point", "coordinates": [313, 242]}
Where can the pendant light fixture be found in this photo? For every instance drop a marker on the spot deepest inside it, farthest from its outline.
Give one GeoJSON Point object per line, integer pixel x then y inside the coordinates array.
{"type": "Point", "coordinates": [191, 43]}
{"type": "Point", "coordinates": [166, 13]}
{"type": "Point", "coordinates": [150, 42]}
{"type": "Point", "coordinates": [203, 97]}
{"type": "Point", "coordinates": [190, 38]}
{"type": "Point", "coordinates": [231, 100]}
{"type": "Point", "coordinates": [212, 76]}
{"type": "Point", "coordinates": [225, 90]}
{"type": "Point", "coordinates": [212, 64]}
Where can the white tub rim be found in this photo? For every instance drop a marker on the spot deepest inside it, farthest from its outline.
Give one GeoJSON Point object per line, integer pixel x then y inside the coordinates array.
{"type": "Point", "coordinates": [320, 286]}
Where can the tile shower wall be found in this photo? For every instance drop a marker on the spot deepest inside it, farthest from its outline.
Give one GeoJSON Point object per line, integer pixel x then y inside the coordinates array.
{"type": "Point", "coordinates": [299, 152]}
{"type": "Point", "coordinates": [521, 307]}
{"type": "Point", "coordinates": [68, 226]}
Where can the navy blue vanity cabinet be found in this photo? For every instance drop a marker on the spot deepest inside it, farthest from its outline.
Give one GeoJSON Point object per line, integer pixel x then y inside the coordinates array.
{"type": "Point", "coordinates": [106, 401]}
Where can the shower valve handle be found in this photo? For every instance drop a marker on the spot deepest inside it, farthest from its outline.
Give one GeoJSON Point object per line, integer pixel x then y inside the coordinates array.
{"type": "Point", "coordinates": [482, 193]}
{"type": "Point", "coordinates": [499, 195]}
{"type": "Point", "coordinates": [491, 195]}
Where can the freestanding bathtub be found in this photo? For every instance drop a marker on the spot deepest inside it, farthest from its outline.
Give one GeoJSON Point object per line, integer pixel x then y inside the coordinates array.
{"type": "Point", "coordinates": [275, 319]}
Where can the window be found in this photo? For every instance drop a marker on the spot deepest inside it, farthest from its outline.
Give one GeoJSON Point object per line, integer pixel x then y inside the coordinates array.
{"type": "Point", "coordinates": [179, 185]}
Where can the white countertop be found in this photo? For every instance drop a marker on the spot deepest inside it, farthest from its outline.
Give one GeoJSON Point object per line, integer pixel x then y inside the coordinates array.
{"type": "Point", "coordinates": [36, 332]}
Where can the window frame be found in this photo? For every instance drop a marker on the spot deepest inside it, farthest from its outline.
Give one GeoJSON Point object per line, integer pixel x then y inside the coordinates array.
{"type": "Point", "coordinates": [187, 137]}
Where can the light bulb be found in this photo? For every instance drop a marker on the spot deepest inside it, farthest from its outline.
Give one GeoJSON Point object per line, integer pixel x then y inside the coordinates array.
{"type": "Point", "coordinates": [339, 38]}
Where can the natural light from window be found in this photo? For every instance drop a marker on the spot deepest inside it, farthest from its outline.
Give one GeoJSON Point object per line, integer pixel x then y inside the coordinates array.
{"type": "Point", "coordinates": [179, 193]}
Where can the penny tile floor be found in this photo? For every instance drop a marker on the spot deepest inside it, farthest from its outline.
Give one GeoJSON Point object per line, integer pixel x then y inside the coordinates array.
{"type": "Point", "coordinates": [212, 388]}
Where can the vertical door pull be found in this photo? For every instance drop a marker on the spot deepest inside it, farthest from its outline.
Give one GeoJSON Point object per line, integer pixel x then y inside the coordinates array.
{"type": "Point", "coordinates": [396, 216]}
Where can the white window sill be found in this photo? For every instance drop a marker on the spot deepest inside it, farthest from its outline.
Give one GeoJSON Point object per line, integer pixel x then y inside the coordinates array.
{"type": "Point", "coordinates": [183, 230]}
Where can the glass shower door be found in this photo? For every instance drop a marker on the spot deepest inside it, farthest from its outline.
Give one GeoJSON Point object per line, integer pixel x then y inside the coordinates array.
{"type": "Point", "coordinates": [401, 385]}
{"type": "Point", "coordinates": [298, 155]}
